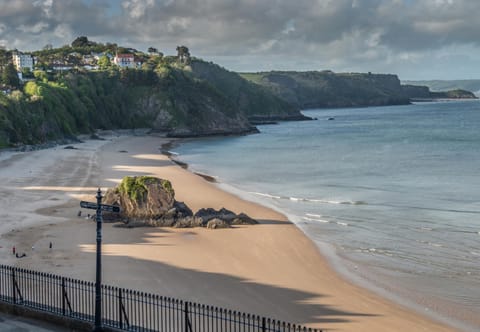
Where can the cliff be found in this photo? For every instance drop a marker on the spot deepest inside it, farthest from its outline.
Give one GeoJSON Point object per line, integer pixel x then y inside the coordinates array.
{"type": "Point", "coordinates": [327, 89]}
{"type": "Point", "coordinates": [448, 85]}
{"type": "Point", "coordinates": [420, 93]}
{"type": "Point", "coordinates": [315, 89]}
{"type": "Point", "coordinates": [183, 100]}
{"type": "Point", "coordinates": [256, 102]}
{"type": "Point", "coordinates": [453, 94]}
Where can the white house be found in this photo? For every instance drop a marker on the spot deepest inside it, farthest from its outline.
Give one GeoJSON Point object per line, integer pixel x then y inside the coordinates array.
{"type": "Point", "coordinates": [62, 67]}
{"type": "Point", "coordinates": [124, 60]}
{"type": "Point", "coordinates": [22, 61]}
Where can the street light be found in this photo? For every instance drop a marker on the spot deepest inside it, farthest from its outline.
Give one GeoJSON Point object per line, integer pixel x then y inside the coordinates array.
{"type": "Point", "coordinates": [98, 280]}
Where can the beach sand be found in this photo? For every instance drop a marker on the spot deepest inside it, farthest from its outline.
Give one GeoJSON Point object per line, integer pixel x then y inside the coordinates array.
{"type": "Point", "coordinates": [271, 269]}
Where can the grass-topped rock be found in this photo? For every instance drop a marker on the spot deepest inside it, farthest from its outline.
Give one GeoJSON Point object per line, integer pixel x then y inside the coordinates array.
{"type": "Point", "coordinates": [150, 201]}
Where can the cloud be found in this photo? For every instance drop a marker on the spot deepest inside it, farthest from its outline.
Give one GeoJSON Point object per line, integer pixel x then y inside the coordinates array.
{"type": "Point", "coordinates": [45, 5]}
{"type": "Point", "coordinates": [346, 34]}
{"type": "Point", "coordinates": [137, 8]}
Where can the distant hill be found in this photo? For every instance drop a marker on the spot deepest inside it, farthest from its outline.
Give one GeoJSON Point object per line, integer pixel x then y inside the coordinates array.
{"type": "Point", "coordinates": [319, 89]}
{"type": "Point", "coordinates": [443, 85]}
{"type": "Point", "coordinates": [314, 89]}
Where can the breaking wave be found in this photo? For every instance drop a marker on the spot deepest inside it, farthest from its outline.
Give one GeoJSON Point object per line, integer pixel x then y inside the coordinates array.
{"type": "Point", "coordinates": [308, 200]}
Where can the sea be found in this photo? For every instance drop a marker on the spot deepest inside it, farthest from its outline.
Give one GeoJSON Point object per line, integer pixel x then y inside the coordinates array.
{"type": "Point", "coordinates": [390, 195]}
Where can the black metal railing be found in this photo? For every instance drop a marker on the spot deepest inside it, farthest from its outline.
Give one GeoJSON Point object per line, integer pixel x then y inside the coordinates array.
{"type": "Point", "coordinates": [126, 309]}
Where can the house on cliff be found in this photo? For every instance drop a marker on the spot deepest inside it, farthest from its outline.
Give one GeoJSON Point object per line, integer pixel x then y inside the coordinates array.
{"type": "Point", "coordinates": [22, 61]}
{"type": "Point", "coordinates": [124, 60]}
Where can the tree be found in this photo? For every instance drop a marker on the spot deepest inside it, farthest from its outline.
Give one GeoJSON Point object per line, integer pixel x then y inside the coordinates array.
{"type": "Point", "coordinates": [27, 73]}
{"type": "Point", "coordinates": [152, 50]}
{"type": "Point", "coordinates": [4, 57]}
{"type": "Point", "coordinates": [104, 62]}
{"type": "Point", "coordinates": [183, 54]}
{"type": "Point", "coordinates": [81, 41]}
{"type": "Point", "coordinates": [10, 77]}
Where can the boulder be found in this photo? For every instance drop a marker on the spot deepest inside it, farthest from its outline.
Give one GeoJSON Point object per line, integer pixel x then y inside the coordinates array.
{"type": "Point", "coordinates": [243, 219]}
{"type": "Point", "coordinates": [150, 201]}
{"type": "Point", "coordinates": [142, 197]}
{"type": "Point", "coordinates": [217, 223]}
{"type": "Point", "coordinates": [208, 214]}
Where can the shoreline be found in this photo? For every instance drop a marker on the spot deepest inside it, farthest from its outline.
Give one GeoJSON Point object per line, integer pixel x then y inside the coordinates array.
{"type": "Point", "coordinates": [340, 265]}
{"type": "Point", "coordinates": [279, 274]}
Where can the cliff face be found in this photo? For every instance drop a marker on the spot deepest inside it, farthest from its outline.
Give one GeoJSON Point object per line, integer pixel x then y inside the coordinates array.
{"type": "Point", "coordinates": [327, 89]}
{"type": "Point", "coordinates": [415, 92]}
{"type": "Point", "coordinates": [256, 102]}
{"type": "Point", "coordinates": [185, 107]}
{"type": "Point", "coordinates": [173, 101]}
{"type": "Point", "coordinates": [449, 85]}
{"type": "Point", "coordinates": [315, 89]}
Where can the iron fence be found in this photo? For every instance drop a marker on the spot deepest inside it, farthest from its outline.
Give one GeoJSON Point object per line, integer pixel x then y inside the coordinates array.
{"type": "Point", "coordinates": [126, 309]}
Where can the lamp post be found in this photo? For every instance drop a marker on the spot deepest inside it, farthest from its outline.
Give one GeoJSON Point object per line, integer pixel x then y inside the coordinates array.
{"type": "Point", "coordinates": [98, 279]}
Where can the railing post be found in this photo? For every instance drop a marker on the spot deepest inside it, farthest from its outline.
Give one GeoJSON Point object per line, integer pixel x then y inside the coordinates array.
{"type": "Point", "coordinates": [188, 326]}
{"type": "Point", "coordinates": [264, 324]}
{"type": "Point", "coordinates": [120, 303]}
{"type": "Point", "coordinates": [14, 291]}
{"type": "Point", "coordinates": [63, 296]}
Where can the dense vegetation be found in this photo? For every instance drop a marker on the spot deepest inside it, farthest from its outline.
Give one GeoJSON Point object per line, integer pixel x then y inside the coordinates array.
{"type": "Point", "coordinates": [255, 101]}
{"type": "Point", "coordinates": [164, 94]}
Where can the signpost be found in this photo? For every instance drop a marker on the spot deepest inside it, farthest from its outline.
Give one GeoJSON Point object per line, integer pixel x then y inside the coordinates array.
{"type": "Point", "coordinates": [98, 281]}
{"type": "Point", "coordinates": [103, 207]}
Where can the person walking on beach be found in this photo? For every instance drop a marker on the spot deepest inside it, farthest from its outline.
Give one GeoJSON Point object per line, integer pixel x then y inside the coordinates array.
{"type": "Point", "coordinates": [13, 250]}
{"type": "Point", "coordinates": [50, 245]}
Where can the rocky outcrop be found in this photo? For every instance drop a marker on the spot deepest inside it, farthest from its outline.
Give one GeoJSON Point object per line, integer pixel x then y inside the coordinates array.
{"type": "Point", "coordinates": [205, 216]}
{"type": "Point", "coordinates": [423, 93]}
{"type": "Point", "coordinates": [150, 201]}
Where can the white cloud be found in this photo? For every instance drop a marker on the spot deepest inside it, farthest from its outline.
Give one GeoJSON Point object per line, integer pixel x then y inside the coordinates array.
{"type": "Point", "coordinates": [137, 8]}
{"type": "Point", "coordinates": [387, 35]}
{"type": "Point", "coordinates": [36, 28]}
{"type": "Point", "coordinates": [64, 32]}
{"type": "Point", "coordinates": [178, 24]}
{"type": "Point", "coordinates": [289, 27]}
{"type": "Point", "coordinates": [46, 6]}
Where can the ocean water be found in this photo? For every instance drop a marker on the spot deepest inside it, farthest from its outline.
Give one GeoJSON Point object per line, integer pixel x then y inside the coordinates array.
{"type": "Point", "coordinates": [390, 194]}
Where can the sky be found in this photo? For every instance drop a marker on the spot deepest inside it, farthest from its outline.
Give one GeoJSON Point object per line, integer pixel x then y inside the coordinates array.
{"type": "Point", "coordinates": [415, 39]}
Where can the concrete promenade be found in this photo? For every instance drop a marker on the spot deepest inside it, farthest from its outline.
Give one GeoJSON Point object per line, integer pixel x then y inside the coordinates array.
{"type": "Point", "coordinates": [11, 323]}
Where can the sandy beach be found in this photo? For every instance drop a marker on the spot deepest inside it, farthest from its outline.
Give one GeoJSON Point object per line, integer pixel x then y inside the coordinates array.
{"type": "Point", "coordinates": [270, 269]}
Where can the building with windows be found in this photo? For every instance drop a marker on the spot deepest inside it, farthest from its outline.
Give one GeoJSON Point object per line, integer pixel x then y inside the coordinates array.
{"type": "Point", "coordinates": [124, 60]}
{"type": "Point", "coordinates": [22, 61]}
